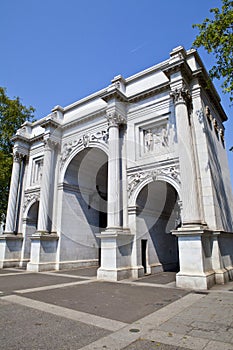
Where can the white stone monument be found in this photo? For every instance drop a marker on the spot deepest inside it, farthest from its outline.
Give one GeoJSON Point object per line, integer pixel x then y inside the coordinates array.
{"type": "Point", "coordinates": [133, 178]}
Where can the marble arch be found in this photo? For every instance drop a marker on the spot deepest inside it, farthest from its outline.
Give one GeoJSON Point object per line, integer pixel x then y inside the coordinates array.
{"type": "Point", "coordinates": [158, 215]}
{"type": "Point", "coordinates": [29, 201]}
{"type": "Point", "coordinates": [159, 124]}
{"type": "Point", "coordinates": [149, 179]}
{"type": "Point", "coordinates": [103, 147]}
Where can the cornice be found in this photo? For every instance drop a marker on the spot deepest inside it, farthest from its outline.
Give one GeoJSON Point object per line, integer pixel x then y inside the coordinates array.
{"type": "Point", "coordinates": [179, 66]}
{"type": "Point", "coordinates": [18, 137]}
{"type": "Point", "coordinates": [39, 137]}
{"type": "Point", "coordinates": [114, 93]}
{"type": "Point", "coordinates": [50, 122]}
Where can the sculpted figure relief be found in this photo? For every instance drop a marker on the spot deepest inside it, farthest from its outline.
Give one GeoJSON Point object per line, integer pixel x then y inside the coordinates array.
{"type": "Point", "coordinates": [155, 140]}
{"type": "Point", "coordinates": [149, 140]}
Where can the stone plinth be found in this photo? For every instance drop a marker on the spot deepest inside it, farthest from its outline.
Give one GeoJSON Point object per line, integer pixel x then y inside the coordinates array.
{"type": "Point", "coordinates": [195, 256]}
{"type": "Point", "coordinates": [10, 250]}
{"type": "Point", "coordinates": [43, 252]}
{"type": "Point", "coordinates": [116, 248]}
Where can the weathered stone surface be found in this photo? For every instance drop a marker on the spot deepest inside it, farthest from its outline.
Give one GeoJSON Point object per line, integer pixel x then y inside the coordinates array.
{"type": "Point", "coordinates": [133, 179]}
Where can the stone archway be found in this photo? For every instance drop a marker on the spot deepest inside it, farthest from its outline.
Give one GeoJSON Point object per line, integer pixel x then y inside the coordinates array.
{"type": "Point", "coordinates": [84, 208]}
{"type": "Point", "coordinates": [30, 222]}
{"type": "Point", "coordinates": [158, 214]}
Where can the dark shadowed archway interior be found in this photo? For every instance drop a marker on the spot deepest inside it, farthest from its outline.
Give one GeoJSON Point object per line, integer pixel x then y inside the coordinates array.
{"type": "Point", "coordinates": [158, 214]}
{"type": "Point", "coordinates": [31, 227]}
{"type": "Point", "coordinates": [84, 207]}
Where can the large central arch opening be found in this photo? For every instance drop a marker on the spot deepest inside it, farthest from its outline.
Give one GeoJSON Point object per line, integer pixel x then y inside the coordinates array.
{"type": "Point", "coordinates": [158, 214]}
{"type": "Point", "coordinates": [84, 207]}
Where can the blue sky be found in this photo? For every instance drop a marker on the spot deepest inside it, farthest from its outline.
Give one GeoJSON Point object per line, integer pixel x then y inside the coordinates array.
{"type": "Point", "coordinates": [56, 52]}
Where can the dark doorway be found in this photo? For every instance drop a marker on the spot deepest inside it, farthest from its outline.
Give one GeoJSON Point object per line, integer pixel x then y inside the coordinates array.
{"type": "Point", "coordinates": [143, 252]}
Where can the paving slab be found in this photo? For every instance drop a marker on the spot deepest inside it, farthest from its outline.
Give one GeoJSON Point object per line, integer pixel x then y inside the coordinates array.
{"type": "Point", "coordinates": [85, 313]}
{"type": "Point", "coordinates": [210, 318]}
{"type": "Point", "coordinates": [87, 272]}
{"type": "Point", "coordinates": [151, 344]}
{"type": "Point", "coordinates": [158, 278]}
{"type": "Point", "coordinates": [10, 271]}
{"type": "Point", "coordinates": [9, 283]}
{"type": "Point", "coordinates": [28, 329]}
{"type": "Point", "coordinates": [122, 302]}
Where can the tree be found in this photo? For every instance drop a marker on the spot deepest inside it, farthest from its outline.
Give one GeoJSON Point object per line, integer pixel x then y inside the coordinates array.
{"type": "Point", "coordinates": [12, 115]}
{"type": "Point", "coordinates": [216, 36]}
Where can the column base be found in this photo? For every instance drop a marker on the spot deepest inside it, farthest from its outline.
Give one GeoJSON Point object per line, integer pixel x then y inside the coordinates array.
{"type": "Point", "coordinates": [10, 250]}
{"type": "Point", "coordinates": [39, 267]}
{"type": "Point", "coordinates": [229, 270]}
{"type": "Point", "coordinates": [43, 252]}
{"type": "Point", "coordinates": [114, 274]}
{"type": "Point", "coordinates": [137, 272]}
{"type": "Point", "coordinates": [200, 281]}
{"type": "Point", "coordinates": [155, 268]}
{"type": "Point", "coordinates": [116, 248]}
{"type": "Point", "coordinates": [221, 276]}
{"type": "Point", "coordinates": [196, 271]}
{"type": "Point", "coordinates": [23, 263]}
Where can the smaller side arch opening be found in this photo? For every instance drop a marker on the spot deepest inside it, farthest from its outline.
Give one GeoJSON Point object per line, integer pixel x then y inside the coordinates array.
{"type": "Point", "coordinates": [30, 221]}
{"type": "Point", "coordinates": [157, 216]}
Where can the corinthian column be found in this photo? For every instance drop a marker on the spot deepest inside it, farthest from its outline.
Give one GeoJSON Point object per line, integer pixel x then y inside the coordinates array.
{"type": "Point", "coordinates": [190, 197]}
{"type": "Point", "coordinates": [13, 194]}
{"type": "Point", "coordinates": [114, 120]}
{"type": "Point", "coordinates": [44, 208]}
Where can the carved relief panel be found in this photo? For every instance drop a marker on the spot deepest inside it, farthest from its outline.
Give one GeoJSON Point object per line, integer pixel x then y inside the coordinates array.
{"type": "Point", "coordinates": [156, 138]}
{"type": "Point", "coordinates": [37, 168]}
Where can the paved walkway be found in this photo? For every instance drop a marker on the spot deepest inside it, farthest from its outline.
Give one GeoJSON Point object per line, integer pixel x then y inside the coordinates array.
{"type": "Point", "coordinates": [69, 310]}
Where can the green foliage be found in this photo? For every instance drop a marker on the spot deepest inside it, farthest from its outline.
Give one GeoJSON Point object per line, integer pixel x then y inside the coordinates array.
{"type": "Point", "coordinates": [216, 36]}
{"type": "Point", "coordinates": [12, 115]}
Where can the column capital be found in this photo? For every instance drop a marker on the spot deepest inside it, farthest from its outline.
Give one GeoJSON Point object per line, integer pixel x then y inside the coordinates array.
{"type": "Point", "coordinates": [115, 119]}
{"type": "Point", "coordinates": [17, 156]}
{"type": "Point", "coordinates": [181, 95]}
{"type": "Point", "coordinates": [50, 144]}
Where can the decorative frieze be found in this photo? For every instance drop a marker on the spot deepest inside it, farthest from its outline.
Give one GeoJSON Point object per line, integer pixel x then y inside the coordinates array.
{"type": "Point", "coordinates": [221, 134]}
{"type": "Point", "coordinates": [86, 139]}
{"type": "Point", "coordinates": [99, 136]}
{"type": "Point", "coordinates": [208, 114]}
{"type": "Point", "coordinates": [213, 121]}
{"type": "Point", "coordinates": [29, 198]}
{"type": "Point", "coordinates": [134, 180]}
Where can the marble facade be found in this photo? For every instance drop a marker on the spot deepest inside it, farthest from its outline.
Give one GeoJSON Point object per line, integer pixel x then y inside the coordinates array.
{"type": "Point", "coordinates": [133, 178]}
